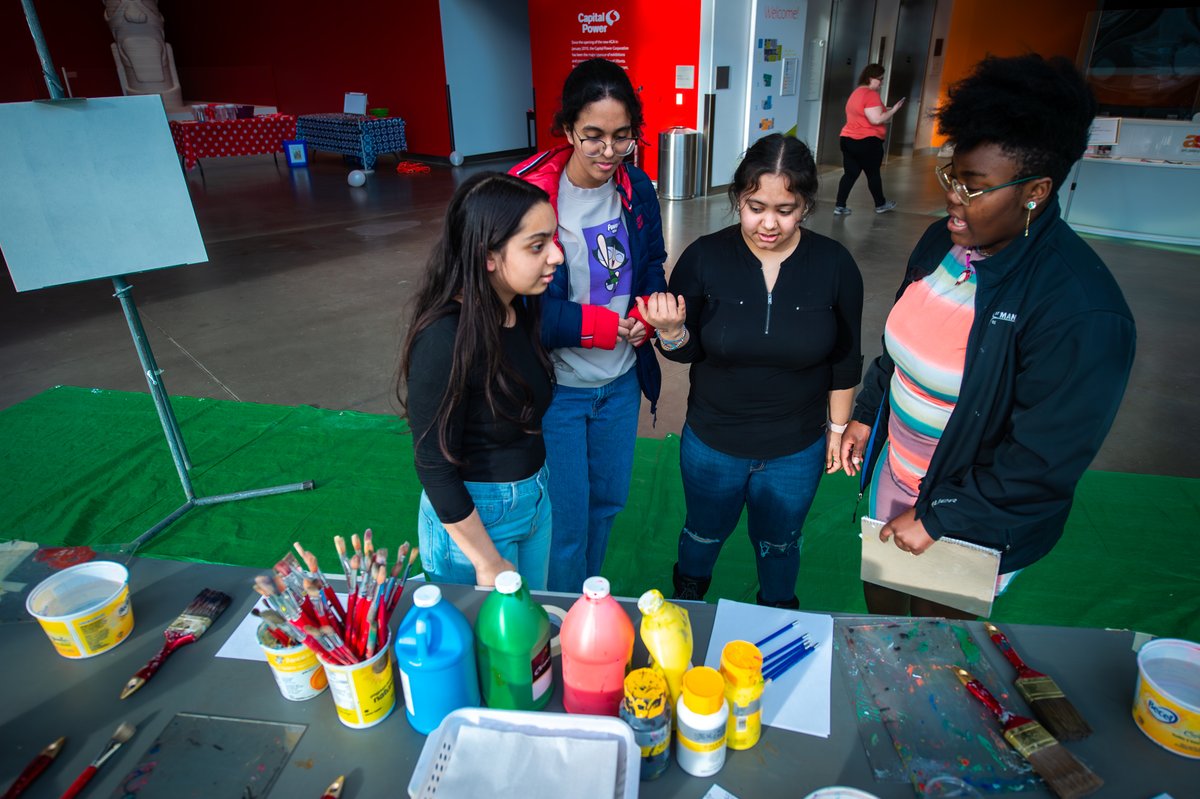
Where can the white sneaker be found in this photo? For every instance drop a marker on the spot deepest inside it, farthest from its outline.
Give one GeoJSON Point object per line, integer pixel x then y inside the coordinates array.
{"type": "Point", "coordinates": [841, 210]}
{"type": "Point", "coordinates": [887, 206]}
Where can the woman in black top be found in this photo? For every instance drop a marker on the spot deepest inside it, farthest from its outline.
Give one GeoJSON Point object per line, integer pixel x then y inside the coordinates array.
{"type": "Point", "coordinates": [478, 383]}
{"type": "Point", "coordinates": [767, 314]}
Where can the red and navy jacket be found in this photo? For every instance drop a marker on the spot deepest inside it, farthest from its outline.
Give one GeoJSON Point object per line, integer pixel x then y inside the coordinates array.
{"type": "Point", "coordinates": [572, 324]}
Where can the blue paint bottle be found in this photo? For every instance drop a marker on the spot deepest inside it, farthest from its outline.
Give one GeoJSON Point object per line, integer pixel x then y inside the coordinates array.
{"type": "Point", "coordinates": [435, 651]}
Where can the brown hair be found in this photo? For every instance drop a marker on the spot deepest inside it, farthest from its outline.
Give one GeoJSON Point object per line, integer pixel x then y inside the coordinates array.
{"type": "Point", "coordinates": [870, 71]}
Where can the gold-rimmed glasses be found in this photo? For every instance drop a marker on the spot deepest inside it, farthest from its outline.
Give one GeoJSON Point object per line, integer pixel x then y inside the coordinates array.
{"type": "Point", "coordinates": [950, 183]}
{"type": "Point", "coordinates": [594, 146]}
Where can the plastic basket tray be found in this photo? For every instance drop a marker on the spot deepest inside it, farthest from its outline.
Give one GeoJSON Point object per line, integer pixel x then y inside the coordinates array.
{"type": "Point", "coordinates": [440, 743]}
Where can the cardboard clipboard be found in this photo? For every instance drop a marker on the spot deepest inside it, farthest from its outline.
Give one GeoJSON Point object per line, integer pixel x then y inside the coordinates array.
{"type": "Point", "coordinates": [951, 572]}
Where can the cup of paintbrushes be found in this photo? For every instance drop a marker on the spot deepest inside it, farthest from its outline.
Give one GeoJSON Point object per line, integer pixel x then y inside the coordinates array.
{"type": "Point", "coordinates": [294, 666]}
{"type": "Point", "coordinates": [363, 693]}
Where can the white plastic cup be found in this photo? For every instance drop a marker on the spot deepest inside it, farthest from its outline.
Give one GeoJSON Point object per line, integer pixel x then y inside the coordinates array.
{"type": "Point", "coordinates": [84, 609]}
{"type": "Point", "coordinates": [365, 693]}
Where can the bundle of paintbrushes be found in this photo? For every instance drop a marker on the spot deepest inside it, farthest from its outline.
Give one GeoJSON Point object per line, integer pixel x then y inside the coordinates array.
{"type": "Point", "coordinates": [786, 655]}
{"type": "Point", "coordinates": [304, 608]}
{"type": "Point", "coordinates": [1045, 698]}
{"type": "Point", "coordinates": [1065, 775]}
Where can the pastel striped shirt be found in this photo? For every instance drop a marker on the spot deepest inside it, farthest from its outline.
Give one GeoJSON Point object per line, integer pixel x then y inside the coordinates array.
{"type": "Point", "coordinates": [926, 335]}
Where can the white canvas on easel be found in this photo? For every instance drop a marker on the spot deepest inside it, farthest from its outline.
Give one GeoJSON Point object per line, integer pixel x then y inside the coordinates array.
{"type": "Point", "coordinates": [951, 572]}
{"type": "Point", "coordinates": [92, 189]}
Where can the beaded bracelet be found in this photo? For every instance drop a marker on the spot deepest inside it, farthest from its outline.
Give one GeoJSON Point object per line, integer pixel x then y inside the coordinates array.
{"type": "Point", "coordinates": [669, 344]}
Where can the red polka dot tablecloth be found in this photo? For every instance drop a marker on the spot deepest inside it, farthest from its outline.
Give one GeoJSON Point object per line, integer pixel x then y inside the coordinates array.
{"type": "Point", "coordinates": [228, 137]}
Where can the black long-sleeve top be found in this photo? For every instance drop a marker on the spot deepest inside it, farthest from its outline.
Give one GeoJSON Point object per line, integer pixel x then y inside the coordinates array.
{"type": "Point", "coordinates": [763, 364]}
{"type": "Point", "coordinates": [491, 449]}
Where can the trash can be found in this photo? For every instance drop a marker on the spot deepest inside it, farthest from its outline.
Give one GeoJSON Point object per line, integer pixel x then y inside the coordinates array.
{"type": "Point", "coordinates": [678, 156]}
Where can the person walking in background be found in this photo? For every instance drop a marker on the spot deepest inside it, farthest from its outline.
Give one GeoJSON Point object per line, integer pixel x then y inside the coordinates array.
{"type": "Point", "coordinates": [610, 229]}
{"type": "Point", "coordinates": [478, 383]}
{"type": "Point", "coordinates": [767, 314]}
{"type": "Point", "coordinates": [1009, 346]}
{"type": "Point", "coordinates": [862, 140]}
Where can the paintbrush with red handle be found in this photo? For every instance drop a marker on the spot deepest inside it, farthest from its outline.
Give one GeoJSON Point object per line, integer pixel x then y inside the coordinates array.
{"type": "Point", "coordinates": [122, 734]}
{"type": "Point", "coordinates": [187, 627]}
{"type": "Point", "coordinates": [1065, 775]}
{"type": "Point", "coordinates": [334, 791]}
{"type": "Point", "coordinates": [1045, 698]}
{"type": "Point", "coordinates": [34, 769]}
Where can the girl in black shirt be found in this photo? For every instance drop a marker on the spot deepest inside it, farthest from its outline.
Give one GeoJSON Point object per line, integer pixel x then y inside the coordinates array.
{"type": "Point", "coordinates": [478, 383]}
{"type": "Point", "coordinates": [768, 315]}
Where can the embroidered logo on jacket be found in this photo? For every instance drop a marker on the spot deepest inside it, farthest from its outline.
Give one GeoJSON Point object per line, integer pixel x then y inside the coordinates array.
{"type": "Point", "coordinates": [1004, 316]}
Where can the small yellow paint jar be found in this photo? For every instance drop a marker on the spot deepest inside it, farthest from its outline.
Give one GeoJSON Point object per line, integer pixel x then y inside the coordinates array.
{"type": "Point", "coordinates": [741, 666]}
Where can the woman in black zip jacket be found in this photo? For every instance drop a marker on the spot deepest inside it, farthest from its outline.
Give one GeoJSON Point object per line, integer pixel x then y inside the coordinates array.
{"type": "Point", "coordinates": [1009, 347]}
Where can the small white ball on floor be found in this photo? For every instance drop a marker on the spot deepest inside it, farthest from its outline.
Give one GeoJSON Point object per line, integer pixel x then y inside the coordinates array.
{"type": "Point", "coordinates": [456, 158]}
{"type": "Point", "coordinates": [356, 178]}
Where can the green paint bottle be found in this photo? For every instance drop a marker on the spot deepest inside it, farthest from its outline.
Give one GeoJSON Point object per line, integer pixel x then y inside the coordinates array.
{"type": "Point", "coordinates": [512, 647]}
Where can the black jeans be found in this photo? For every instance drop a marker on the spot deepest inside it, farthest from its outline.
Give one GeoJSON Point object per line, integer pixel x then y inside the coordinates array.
{"type": "Point", "coordinates": [861, 155]}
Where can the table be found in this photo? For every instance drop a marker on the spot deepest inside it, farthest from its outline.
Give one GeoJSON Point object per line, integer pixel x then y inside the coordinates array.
{"type": "Point", "coordinates": [230, 137]}
{"type": "Point", "coordinates": [46, 696]}
{"type": "Point", "coordinates": [353, 134]}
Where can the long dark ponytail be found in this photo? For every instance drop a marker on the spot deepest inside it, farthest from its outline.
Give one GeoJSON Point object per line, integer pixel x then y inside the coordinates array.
{"type": "Point", "coordinates": [485, 212]}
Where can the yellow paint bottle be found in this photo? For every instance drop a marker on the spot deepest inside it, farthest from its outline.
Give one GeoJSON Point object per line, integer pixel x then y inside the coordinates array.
{"type": "Point", "coordinates": [741, 666]}
{"type": "Point", "coordinates": [666, 631]}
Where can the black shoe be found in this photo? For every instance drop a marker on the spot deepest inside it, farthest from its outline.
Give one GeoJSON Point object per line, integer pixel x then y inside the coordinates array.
{"type": "Point", "coordinates": [788, 604]}
{"type": "Point", "coordinates": [689, 588]}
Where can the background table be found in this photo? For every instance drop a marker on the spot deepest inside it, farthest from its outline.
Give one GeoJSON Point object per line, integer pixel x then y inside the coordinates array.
{"type": "Point", "coordinates": [45, 696]}
{"type": "Point", "coordinates": [353, 134]}
{"type": "Point", "coordinates": [229, 137]}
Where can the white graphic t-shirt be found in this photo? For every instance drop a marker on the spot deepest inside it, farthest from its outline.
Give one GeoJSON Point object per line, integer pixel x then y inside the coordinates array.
{"type": "Point", "coordinates": [595, 242]}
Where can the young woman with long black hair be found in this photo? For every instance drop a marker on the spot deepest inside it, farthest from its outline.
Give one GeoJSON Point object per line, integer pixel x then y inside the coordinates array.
{"type": "Point", "coordinates": [475, 383]}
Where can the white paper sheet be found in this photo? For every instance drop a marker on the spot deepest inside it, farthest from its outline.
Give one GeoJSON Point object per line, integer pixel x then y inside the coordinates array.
{"type": "Point", "coordinates": [799, 700]}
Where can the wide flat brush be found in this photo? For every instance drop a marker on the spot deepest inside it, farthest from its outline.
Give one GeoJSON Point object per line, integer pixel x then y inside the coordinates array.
{"type": "Point", "coordinates": [1045, 698]}
{"type": "Point", "coordinates": [187, 627]}
{"type": "Point", "coordinates": [1065, 775]}
{"type": "Point", "coordinates": [120, 735]}
{"type": "Point", "coordinates": [34, 769]}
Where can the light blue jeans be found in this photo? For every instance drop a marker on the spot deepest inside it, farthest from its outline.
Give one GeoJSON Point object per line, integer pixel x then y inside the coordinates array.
{"type": "Point", "coordinates": [516, 516]}
{"type": "Point", "coordinates": [776, 494]}
{"type": "Point", "coordinates": [590, 434]}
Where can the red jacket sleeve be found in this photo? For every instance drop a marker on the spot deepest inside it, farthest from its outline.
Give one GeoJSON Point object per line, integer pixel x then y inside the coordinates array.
{"type": "Point", "coordinates": [598, 328]}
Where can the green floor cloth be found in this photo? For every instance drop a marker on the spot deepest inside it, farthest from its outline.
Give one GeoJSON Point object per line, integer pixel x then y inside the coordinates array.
{"type": "Point", "coordinates": [80, 466]}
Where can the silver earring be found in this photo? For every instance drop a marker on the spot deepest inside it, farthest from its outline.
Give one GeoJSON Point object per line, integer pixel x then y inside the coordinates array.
{"type": "Point", "coordinates": [1029, 206]}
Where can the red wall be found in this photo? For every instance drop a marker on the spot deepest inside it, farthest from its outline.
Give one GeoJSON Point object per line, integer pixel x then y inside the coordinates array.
{"type": "Point", "coordinates": [299, 56]}
{"type": "Point", "coordinates": [658, 36]}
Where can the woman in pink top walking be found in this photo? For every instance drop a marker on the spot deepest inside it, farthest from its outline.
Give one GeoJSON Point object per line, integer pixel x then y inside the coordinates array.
{"type": "Point", "coordinates": [862, 139]}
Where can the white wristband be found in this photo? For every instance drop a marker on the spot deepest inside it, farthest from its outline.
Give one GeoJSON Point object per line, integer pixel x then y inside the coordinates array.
{"type": "Point", "coordinates": [836, 428]}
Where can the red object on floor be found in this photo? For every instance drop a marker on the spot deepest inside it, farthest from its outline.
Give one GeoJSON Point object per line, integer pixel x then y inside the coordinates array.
{"type": "Point", "coordinates": [411, 168]}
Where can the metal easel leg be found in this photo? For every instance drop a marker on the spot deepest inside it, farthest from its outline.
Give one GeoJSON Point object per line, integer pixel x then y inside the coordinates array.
{"type": "Point", "coordinates": [170, 425]}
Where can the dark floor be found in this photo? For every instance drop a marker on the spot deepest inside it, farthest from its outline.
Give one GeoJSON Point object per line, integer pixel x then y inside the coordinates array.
{"type": "Point", "coordinates": [304, 296]}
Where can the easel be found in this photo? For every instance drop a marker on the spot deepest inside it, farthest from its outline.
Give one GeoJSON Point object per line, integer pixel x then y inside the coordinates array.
{"type": "Point", "coordinates": [123, 293]}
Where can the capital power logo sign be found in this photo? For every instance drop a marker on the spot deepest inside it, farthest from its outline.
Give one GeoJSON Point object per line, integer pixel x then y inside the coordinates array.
{"type": "Point", "coordinates": [598, 22]}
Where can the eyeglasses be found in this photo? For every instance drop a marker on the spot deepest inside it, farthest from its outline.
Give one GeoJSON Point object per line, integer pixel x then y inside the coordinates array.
{"type": "Point", "coordinates": [594, 146]}
{"type": "Point", "coordinates": [966, 195]}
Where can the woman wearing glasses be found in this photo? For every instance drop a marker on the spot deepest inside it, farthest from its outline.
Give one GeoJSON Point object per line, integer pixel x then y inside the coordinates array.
{"type": "Point", "coordinates": [1009, 346]}
{"type": "Point", "coordinates": [610, 231]}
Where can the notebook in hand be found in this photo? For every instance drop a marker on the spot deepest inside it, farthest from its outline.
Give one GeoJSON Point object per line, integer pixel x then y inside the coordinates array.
{"type": "Point", "coordinates": [952, 572]}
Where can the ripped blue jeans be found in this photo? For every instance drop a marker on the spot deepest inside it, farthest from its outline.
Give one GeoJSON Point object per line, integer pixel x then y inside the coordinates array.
{"type": "Point", "coordinates": [776, 494]}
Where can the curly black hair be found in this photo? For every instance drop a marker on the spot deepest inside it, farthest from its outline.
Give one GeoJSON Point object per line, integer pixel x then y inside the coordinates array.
{"type": "Point", "coordinates": [1037, 109]}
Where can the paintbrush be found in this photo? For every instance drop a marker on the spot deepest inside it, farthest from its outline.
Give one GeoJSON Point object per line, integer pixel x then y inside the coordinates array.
{"type": "Point", "coordinates": [187, 627]}
{"type": "Point", "coordinates": [412, 557]}
{"type": "Point", "coordinates": [334, 791]}
{"type": "Point", "coordinates": [1065, 775]}
{"type": "Point", "coordinates": [34, 769]}
{"type": "Point", "coordinates": [1045, 698]}
{"type": "Point", "coordinates": [122, 734]}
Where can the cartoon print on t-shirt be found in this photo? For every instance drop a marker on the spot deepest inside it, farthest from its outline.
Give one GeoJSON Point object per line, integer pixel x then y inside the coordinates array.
{"type": "Point", "coordinates": [608, 259]}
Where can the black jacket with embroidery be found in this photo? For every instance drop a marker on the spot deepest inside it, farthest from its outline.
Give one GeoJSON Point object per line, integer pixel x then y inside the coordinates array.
{"type": "Point", "coordinates": [1048, 358]}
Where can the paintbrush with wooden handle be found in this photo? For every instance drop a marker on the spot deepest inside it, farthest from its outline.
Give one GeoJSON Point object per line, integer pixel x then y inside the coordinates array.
{"type": "Point", "coordinates": [187, 627]}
